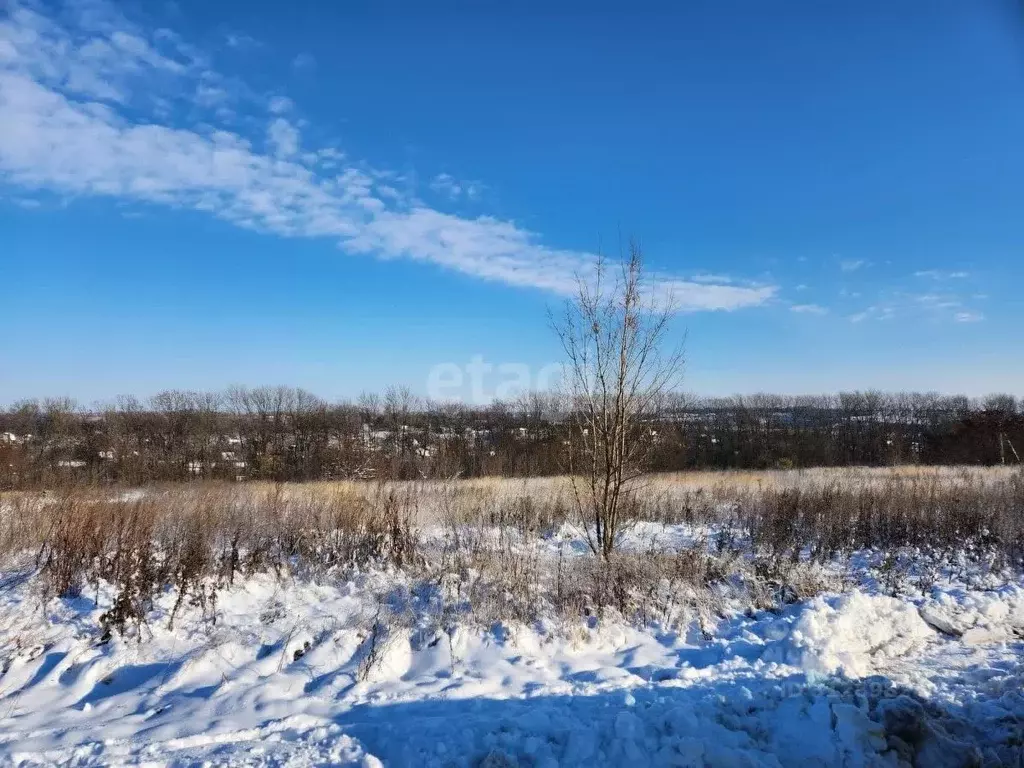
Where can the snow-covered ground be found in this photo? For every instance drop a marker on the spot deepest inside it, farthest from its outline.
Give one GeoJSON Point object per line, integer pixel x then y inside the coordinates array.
{"type": "Point", "coordinates": [290, 671]}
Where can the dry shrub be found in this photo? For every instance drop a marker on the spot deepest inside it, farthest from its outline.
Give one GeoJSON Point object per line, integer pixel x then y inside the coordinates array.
{"type": "Point", "coordinates": [490, 561]}
{"type": "Point", "coordinates": [930, 512]}
{"type": "Point", "coordinates": [497, 554]}
{"type": "Point", "coordinates": [380, 635]}
{"type": "Point", "coordinates": [670, 588]}
{"type": "Point", "coordinates": [196, 539]}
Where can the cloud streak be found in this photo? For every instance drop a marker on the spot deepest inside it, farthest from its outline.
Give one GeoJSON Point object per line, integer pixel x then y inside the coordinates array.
{"type": "Point", "coordinates": [938, 306]}
{"type": "Point", "coordinates": [969, 317]}
{"type": "Point", "coordinates": [938, 274]}
{"type": "Point", "coordinates": [808, 309]}
{"type": "Point", "coordinates": [95, 106]}
{"type": "Point", "coordinates": [447, 185]}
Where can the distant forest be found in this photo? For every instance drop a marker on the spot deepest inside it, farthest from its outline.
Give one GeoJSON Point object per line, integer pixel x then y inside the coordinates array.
{"type": "Point", "coordinates": [287, 434]}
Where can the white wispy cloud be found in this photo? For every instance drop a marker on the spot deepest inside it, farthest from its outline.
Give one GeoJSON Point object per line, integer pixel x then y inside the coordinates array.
{"type": "Point", "coordinates": [240, 40]}
{"type": "Point", "coordinates": [874, 312]}
{"type": "Point", "coordinates": [937, 300]}
{"type": "Point", "coordinates": [941, 306]}
{"type": "Point", "coordinates": [808, 309]}
{"type": "Point", "coordinates": [447, 185]}
{"type": "Point", "coordinates": [209, 93]}
{"type": "Point", "coordinates": [279, 105]}
{"type": "Point", "coordinates": [707, 277]}
{"type": "Point", "coordinates": [938, 274]}
{"type": "Point", "coordinates": [969, 317]}
{"type": "Point", "coordinates": [303, 61]}
{"type": "Point", "coordinates": [94, 105]}
{"type": "Point", "coordinates": [852, 265]}
{"type": "Point", "coordinates": [283, 138]}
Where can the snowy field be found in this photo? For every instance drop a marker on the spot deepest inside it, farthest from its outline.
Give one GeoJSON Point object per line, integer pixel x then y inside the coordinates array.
{"type": "Point", "coordinates": [384, 665]}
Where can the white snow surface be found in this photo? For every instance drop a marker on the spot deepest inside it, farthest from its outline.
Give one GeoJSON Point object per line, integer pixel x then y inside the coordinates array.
{"type": "Point", "coordinates": [854, 679]}
{"type": "Point", "coordinates": [853, 634]}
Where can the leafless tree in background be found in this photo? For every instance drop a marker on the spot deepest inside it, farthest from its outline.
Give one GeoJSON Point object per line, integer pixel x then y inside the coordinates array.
{"type": "Point", "coordinates": [618, 373]}
{"type": "Point", "coordinates": [400, 405]}
{"type": "Point", "coordinates": [286, 434]}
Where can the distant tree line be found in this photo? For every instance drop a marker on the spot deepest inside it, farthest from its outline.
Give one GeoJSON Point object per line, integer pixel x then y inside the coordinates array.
{"type": "Point", "coordinates": [287, 434]}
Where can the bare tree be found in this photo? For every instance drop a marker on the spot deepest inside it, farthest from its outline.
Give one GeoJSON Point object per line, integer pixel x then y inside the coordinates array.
{"type": "Point", "coordinates": [400, 406]}
{"type": "Point", "coordinates": [618, 372]}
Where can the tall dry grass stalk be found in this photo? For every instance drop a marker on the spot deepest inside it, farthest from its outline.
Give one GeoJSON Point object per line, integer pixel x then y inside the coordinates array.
{"type": "Point", "coordinates": [498, 549]}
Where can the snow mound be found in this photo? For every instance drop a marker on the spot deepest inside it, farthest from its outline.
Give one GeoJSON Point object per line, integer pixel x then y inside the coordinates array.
{"type": "Point", "coordinates": [851, 634]}
{"type": "Point", "coordinates": [977, 617]}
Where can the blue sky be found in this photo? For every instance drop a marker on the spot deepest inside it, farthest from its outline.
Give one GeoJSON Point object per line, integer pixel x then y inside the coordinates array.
{"type": "Point", "coordinates": [341, 196]}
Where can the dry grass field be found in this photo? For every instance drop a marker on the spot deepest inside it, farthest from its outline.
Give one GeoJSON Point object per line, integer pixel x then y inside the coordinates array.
{"type": "Point", "coordinates": [770, 525]}
{"type": "Point", "coordinates": [317, 597]}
